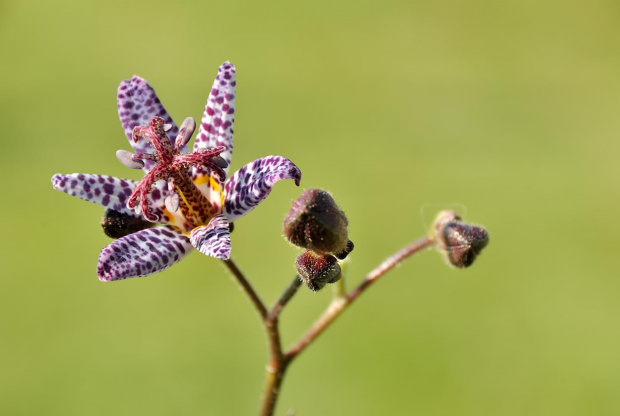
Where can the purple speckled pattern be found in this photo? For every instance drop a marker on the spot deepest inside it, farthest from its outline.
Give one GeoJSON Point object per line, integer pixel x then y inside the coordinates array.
{"type": "Point", "coordinates": [103, 190]}
{"type": "Point", "coordinates": [142, 253]}
{"type": "Point", "coordinates": [107, 191]}
{"type": "Point", "coordinates": [172, 172]}
{"type": "Point", "coordinates": [213, 239]}
{"type": "Point", "coordinates": [253, 182]}
{"type": "Point", "coordinates": [137, 105]}
{"type": "Point", "coordinates": [216, 127]}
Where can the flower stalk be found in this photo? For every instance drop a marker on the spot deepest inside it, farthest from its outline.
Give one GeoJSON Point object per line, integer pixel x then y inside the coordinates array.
{"type": "Point", "coordinates": [247, 287]}
{"type": "Point", "coordinates": [340, 303]}
{"type": "Point", "coordinates": [280, 360]}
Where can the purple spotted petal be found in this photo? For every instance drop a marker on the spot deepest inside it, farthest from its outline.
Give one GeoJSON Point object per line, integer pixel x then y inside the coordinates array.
{"type": "Point", "coordinates": [213, 239]}
{"type": "Point", "coordinates": [142, 253]}
{"type": "Point", "coordinates": [104, 190]}
{"type": "Point", "coordinates": [137, 105]}
{"type": "Point", "coordinates": [216, 128]}
{"type": "Point", "coordinates": [110, 192]}
{"type": "Point", "coordinates": [253, 182]}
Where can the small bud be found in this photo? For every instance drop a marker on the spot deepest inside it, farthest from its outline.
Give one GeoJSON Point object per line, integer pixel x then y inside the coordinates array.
{"type": "Point", "coordinates": [116, 224]}
{"type": "Point", "coordinates": [317, 270]}
{"type": "Point", "coordinates": [316, 223]}
{"type": "Point", "coordinates": [460, 242]}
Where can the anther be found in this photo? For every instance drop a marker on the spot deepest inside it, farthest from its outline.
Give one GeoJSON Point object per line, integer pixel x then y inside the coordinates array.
{"type": "Point", "coordinates": [172, 200]}
{"type": "Point", "coordinates": [127, 159]}
{"type": "Point", "coordinates": [185, 132]}
{"type": "Point", "coordinates": [219, 161]}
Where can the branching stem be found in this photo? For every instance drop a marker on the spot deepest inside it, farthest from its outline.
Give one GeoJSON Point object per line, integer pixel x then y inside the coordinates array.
{"type": "Point", "coordinates": [339, 304]}
{"type": "Point", "coordinates": [280, 360]}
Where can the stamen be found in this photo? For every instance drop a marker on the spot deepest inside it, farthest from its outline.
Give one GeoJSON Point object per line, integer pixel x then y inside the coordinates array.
{"type": "Point", "coordinates": [174, 167]}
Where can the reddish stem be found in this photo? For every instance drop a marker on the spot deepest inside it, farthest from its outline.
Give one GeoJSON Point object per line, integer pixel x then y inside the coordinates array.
{"type": "Point", "coordinates": [339, 304]}
{"type": "Point", "coordinates": [279, 361]}
{"type": "Point", "coordinates": [247, 287]}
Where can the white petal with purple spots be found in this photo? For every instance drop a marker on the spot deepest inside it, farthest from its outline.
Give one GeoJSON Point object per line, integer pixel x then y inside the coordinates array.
{"type": "Point", "coordinates": [142, 253]}
{"type": "Point", "coordinates": [103, 190]}
{"type": "Point", "coordinates": [253, 182]}
{"type": "Point", "coordinates": [216, 128]}
{"type": "Point", "coordinates": [111, 192]}
{"type": "Point", "coordinates": [137, 105]}
{"type": "Point", "coordinates": [213, 239]}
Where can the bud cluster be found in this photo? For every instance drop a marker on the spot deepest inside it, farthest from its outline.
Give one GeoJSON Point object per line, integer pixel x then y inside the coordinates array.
{"type": "Point", "coordinates": [316, 224]}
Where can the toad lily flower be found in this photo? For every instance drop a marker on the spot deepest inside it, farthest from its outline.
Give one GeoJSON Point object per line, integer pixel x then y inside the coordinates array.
{"type": "Point", "coordinates": [185, 199]}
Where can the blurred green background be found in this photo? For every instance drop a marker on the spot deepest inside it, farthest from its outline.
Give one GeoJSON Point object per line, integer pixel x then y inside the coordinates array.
{"type": "Point", "coordinates": [398, 108]}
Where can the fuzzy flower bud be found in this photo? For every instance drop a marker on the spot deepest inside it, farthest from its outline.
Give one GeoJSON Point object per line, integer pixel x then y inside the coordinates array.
{"type": "Point", "coordinates": [316, 223]}
{"type": "Point", "coordinates": [116, 224]}
{"type": "Point", "coordinates": [317, 270]}
{"type": "Point", "coordinates": [459, 242]}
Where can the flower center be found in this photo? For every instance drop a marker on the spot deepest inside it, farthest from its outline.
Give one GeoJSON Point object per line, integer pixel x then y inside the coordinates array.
{"type": "Point", "coordinates": [175, 168]}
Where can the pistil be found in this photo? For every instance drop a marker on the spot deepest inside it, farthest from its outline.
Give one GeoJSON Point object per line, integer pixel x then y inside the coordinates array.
{"type": "Point", "coordinates": [175, 168]}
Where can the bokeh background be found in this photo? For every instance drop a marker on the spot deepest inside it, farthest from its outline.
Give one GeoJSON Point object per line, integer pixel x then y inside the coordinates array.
{"type": "Point", "coordinates": [399, 108]}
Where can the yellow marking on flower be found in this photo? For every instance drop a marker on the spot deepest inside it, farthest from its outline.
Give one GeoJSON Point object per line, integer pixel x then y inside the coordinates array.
{"type": "Point", "coordinates": [185, 233]}
{"type": "Point", "coordinates": [214, 184]}
{"type": "Point", "coordinates": [187, 204]}
{"type": "Point", "coordinates": [168, 215]}
{"type": "Point", "coordinates": [202, 179]}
